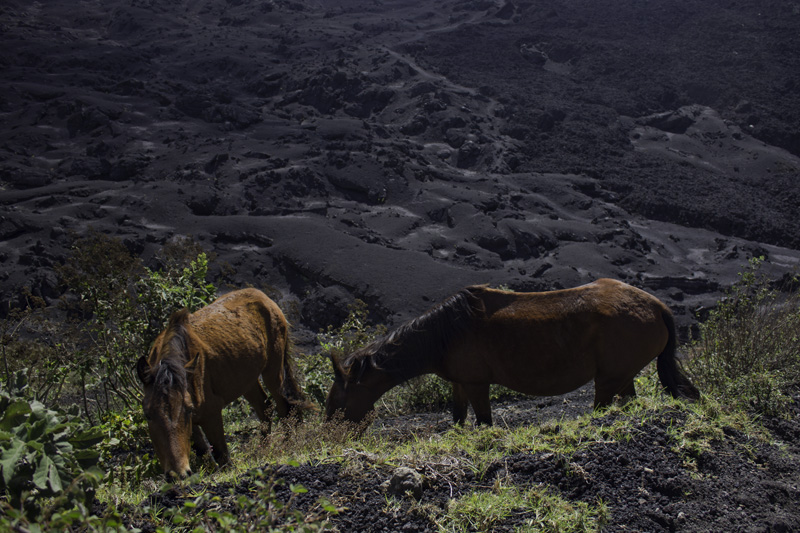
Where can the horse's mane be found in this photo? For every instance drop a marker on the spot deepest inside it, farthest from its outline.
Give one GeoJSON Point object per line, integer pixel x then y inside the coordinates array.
{"type": "Point", "coordinates": [422, 341]}
{"type": "Point", "coordinates": [170, 371]}
{"type": "Point", "coordinates": [169, 374]}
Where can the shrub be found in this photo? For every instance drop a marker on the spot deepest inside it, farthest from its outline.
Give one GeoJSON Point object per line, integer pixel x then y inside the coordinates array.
{"type": "Point", "coordinates": [748, 354]}
{"type": "Point", "coordinates": [49, 363]}
{"type": "Point", "coordinates": [122, 306]}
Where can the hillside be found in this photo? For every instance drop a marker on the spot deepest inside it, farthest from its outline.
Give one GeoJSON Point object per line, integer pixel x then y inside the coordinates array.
{"type": "Point", "coordinates": [394, 151]}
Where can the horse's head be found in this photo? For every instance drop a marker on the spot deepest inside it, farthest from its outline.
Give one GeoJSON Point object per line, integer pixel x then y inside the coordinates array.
{"type": "Point", "coordinates": [167, 402]}
{"type": "Point", "coordinates": [355, 389]}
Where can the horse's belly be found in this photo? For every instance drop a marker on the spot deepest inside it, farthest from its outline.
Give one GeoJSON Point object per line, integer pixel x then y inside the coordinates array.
{"type": "Point", "coordinates": [551, 384]}
{"type": "Point", "coordinates": [234, 374]}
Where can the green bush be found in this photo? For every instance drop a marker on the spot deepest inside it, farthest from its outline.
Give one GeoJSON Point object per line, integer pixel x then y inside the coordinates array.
{"type": "Point", "coordinates": [49, 363]}
{"type": "Point", "coordinates": [123, 306]}
{"type": "Point", "coordinates": [44, 453]}
{"type": "Point", "coordinates": [748, 354]}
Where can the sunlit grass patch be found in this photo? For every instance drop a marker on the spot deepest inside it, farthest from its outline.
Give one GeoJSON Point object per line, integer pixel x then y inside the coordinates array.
{"type": "Point", "coordinates": [533, 509]}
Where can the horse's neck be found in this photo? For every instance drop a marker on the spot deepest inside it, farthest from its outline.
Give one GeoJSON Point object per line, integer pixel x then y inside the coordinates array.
{"type": "Point", "coordinates": [391, 378]}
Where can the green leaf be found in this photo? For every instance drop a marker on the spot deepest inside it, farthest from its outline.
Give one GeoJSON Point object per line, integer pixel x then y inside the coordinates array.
{"type": "Point", "coordinates": [87, 458]}
{"type": "Point", "coordinates": [12, 414]}
{"type": "Point", "coordinates": [88, 437]}
{"type": "Point", "coordinates": [63, 448]}
{"type": "Point", "coordinates": [328, 506]}
{"type": "Point", "coordinates": [35, 446]}
{"type": "Point", "coordinates": [37, 429]}
{"type": "Point", "coordinates": [46, 476]}
{"type": "Point", "coordinates": [58, 431]}
{"type": "Point", "coordinates": [9, 459]}
{"type": "Point", "coordinates": [298, 489]}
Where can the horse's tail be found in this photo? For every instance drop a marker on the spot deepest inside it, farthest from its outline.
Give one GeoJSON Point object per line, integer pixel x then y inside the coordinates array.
{"type": "Point", "coordinates": [669, 371]}
{"type": "Point", "coordinates": [290, 388]}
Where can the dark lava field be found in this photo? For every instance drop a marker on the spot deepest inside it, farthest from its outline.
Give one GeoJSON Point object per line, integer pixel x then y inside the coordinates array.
{"type": "Point", "coordinates": [395, 151]}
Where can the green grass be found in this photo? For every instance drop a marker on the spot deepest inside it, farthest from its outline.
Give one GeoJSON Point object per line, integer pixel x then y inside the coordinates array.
{"type": "Point", "coordinates": [533, 509]}
{"type": "Point", "coordinates": [451, 455]}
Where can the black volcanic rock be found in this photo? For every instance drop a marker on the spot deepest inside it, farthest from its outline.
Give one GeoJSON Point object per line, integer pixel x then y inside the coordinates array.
{"type": "Point", "coordinates": [395, 154]}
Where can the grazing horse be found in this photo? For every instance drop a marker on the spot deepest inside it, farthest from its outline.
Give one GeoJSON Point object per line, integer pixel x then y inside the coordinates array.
{"type": "Point", "coordinates": [203, 361]}
{"type": "Point", "coordinates": [538, 343]}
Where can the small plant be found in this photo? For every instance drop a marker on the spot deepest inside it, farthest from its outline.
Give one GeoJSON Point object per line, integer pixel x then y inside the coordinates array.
{"type": "Point", "coordinates": [124, 436]}
{"type": "Point", "coordinates": [354, 332]}
{"type": "Point", "coordinates": [749, 349]}
{"type": "Point", "coordinates": [161, 292]}
{"type": "Point", "coordinates": [44, 453]}
{"type": "Point", "coordinates": [260, 509]}
{"type": "Point", "coordinates": [423, 393]}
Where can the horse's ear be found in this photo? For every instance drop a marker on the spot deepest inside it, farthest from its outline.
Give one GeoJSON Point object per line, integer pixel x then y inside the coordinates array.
{"type": "Point", "coordinates": [178, 318]}
{"type": "Point", "coordinates": [360, 366]}
{"type": "Point", "coordinates": [143, 371]}
{"type": "Point", "coordinates": [338, 372]}
{"type": "Point", "coordinates": [195, 363]}
{"type": "Point", "coordinates": [195, 367]}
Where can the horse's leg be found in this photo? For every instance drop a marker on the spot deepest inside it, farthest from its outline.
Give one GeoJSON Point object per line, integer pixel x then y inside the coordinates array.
{"type": "Point", "coordinates": [199, 444]}
{"type": "Point", "coordinates": [628, 393]}
{"type": "Point", "coordinates": [273, 379]}
{"type": "Point", "coordinates": [479, 398]}
{"type": "Point", "coordinates": [606, 390]}
{"type": "Point", "coordinates": [215, 434]}
{"type": "Point", "coordinates": [259, 400]}
{"type": "Point", "coordinates": [460, 404]}
{"type": "Point", "coordinates": [273, 375]}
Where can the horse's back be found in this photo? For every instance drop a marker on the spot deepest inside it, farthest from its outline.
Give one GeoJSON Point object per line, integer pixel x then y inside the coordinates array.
{"type": "Point", "coordinates": [604, 297]}
{"type": "Point", "coordinates": [239, 309]}
{"type": "Point", "coordinates": [238, 327]}
{"type": "Point", "coordinates": [237, 300]}
{"type": "Point", "coordinates": [552, 342]}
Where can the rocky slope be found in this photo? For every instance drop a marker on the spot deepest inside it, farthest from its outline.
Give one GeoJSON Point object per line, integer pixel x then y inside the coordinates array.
{"type": "Point", "coordinates": [395, 151]}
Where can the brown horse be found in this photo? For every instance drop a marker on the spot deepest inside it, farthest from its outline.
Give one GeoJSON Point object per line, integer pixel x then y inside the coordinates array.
{"type": "Point", "coordinates": [203, 361]}
{"type": "Point", "coordinates": [539, 343]}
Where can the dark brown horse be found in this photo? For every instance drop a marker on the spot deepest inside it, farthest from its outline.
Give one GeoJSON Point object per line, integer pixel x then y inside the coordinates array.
{"type": "Point", "coordinates": [539, 343]}
{"type": "Point", "coordinates": [203, 361]}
